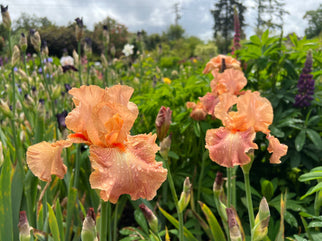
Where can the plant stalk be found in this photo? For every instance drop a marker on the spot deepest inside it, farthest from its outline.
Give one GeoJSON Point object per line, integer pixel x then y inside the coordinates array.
{"type": "Point", "coordinates": [175, 198]}
{"type": "Point", "coordinates": [249, 201]}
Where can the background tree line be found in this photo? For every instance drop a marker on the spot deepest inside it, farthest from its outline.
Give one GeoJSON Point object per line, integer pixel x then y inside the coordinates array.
{"type": "Point", "coordinates": [61, 39]}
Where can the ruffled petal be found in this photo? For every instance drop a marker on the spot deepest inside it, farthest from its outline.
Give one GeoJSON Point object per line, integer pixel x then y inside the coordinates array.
{"type": "Point", "coordinates": [44, 159]}
{"type": "Point", "coordinates": [216, 62]}
{"type": "Point", "coordinates": [276, 148]}
{"type": "Point", "coordinates": [198, 110]}
{"type": "Point", "coordinates": [84, 118]}
{"type": "Point", "coordinates": [230, 81]}
{"type": "Point", "coordinates": [95, 110]}
{"type": "Point", "coordinates": [226, 101]}
{"type": "Point", "coordinates": [228, 148]}
{"type": "Point", "coordinates": [129, 170]}
{"type": "Point", "coordinates": [209, 101]}
{"type": "Point", "coordinates": [258, 110]}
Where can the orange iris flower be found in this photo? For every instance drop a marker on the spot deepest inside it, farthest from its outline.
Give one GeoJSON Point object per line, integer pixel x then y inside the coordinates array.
{"type": "Point", "coordinates": [228, 146]}
{"type": "Point", "coordinates": [231, 80]}
{"type": "Point", "coordinates": [123, 164]}
{"type": "Point", "coordinates": [215, 64]}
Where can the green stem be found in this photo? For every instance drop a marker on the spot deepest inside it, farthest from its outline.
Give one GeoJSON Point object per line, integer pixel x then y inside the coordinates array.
{"type": "Point", "coordinates": [88, 72]}
{"type": "Point", "coordinates": [233, 183]}
{"type": "Point", "coordinates": [175, 198]}
{"type": "Point", "coordinates": [109, 221]}
{"type": "Point", "coordinates": [49, 91]}
{"type": "Point", "coordinates": [13, 101]}
{"type": "Point", "coordinates": [79, 63]}
{"type": "Point", "coordinates": [77, 165]}
{"type": "Point", "coordinates": [249, 201]}
{"type": "Point", "coordinates": [106, 70]}
{"type": "Point", "coordinates": [103, 230]}
{"type": "Point", "coordinates": [229, 186]}
{"type": "Point", "coordinates": [203, 162]}
{"type": "Point", "coordinates": [115, 222]}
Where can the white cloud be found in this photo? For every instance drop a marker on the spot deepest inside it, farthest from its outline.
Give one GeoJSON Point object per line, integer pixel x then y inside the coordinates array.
{"type": "Point", "coordinates": [152, 16]}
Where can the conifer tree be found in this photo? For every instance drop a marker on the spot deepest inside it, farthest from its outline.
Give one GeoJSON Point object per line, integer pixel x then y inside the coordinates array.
{"type": "Point", "coordinates": [223, 14]}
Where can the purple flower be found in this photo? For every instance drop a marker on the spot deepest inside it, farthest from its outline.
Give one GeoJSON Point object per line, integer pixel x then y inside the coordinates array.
{"type": "Point", "coordinates": [61, 120]}
{"type": "Point", "coordinates": [79, 22]}
{"type": "Point", "coordinates": [305, 84]}
{"type": "Point", "coordinates": [67, 87]}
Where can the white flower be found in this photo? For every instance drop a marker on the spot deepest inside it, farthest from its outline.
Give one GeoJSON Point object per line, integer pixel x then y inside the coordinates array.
{"type": "Point", "coordinates": [128, 49]}
{"type": "Point", "coordinates": [66, 60]}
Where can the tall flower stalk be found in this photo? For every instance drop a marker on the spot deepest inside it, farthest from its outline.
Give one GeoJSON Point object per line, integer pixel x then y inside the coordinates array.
{"type": "Point", "coordinates": [79, 34]}
{"type": "Point", "coordinates": [305, 84]}
{"type": "Point", "coordinates": [162, 124]}
{"type": "Point", "coordinates": [236, 45]}
{"type": "Point", "coordinates": [104, 57]}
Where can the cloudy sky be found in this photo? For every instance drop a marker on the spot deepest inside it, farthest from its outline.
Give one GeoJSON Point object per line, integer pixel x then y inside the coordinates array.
{"type": "Point", "coordinates": [154, 16]}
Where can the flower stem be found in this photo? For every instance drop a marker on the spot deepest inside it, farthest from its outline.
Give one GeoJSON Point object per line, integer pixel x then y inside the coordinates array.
{"type": "Point", "coordinates": [115, 222]}
{"type": "Point", "coordinates": [233, 183]}
{"type": "Point", "coordinates": [109, 221]}
{"type": "Point", "coordinates": [249, 201]}
{"type": "Point", "coordinates": [49, 91]}
{"type": "Point", "coordinates": [13, 99]}
{"type": "Point", "coordinates": [175, 198]}
{"type": "Point", "coordinates": [103, 230]}
{"type": "Point", "coordinates": [77, 165]}
{"type": "Point", "coordinates": [79, 63]}
{"type": "Point", "coordinates": [229, 186]}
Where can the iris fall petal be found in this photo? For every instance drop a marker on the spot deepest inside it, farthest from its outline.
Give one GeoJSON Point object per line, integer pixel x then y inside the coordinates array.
{"type": "Point", "coordinates": [228, 148]}
{"type": "Point", "coordinates": [44, 159]}
{"type": "Point", "coordinates": [131, 170]}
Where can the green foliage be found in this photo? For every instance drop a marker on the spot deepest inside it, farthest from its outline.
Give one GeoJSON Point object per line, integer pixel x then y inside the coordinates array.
{"type": "Point", "coordinates": [314, 18]}
{"type": "Point", "coordinates": [206, 51]}
{"type": "Point", "coordinates": [174, 32]}
{"type": "Point", "coordinates": [272, 66]}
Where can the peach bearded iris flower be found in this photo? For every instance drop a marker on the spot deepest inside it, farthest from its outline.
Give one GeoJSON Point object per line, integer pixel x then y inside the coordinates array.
{"type": "Point", "coordinates": [123, 164]}
{"type": "Point", "coordinates": [215, 64]}
{"type": "Point", "coordinates": [230, 80]}
{"type": "Point", "coordinates": [228, 146]}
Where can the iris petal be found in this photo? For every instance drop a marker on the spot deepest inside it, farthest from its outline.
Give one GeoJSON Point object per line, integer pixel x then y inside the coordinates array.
{"type": "Point", "coordinates": [132, 170]}
{"type": "Point", "coordinates": [44, 159]}
{"type": "Point", "coordinates": [228, 148]}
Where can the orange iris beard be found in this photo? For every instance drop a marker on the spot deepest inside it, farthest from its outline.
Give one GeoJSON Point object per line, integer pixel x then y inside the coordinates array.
{"type": "Point", "coordinates": [123, 164]}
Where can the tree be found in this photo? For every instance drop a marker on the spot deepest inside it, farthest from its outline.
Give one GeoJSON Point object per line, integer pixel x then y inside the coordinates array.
{"type": "Point", "coordinates": [315, 22]}
{"type": "Point", "coordinates": [224, 21]}
{"type": "Point", "coordinates": [174, 32]}
{"type": "Point", "coordinates": [276, 11]}
{"type": "Point", "coordinates": [118, 35]}
{"type": "Point", "coordinates": [270, 14]}
{"type": "Point", "coordinates": [27, 22]}
{"type": "Point", "coordinates": [260, 7]}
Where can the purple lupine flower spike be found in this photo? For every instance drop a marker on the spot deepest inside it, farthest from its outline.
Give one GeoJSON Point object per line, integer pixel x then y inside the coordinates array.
{"type": "Point", "coordinates": [305, 84]}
